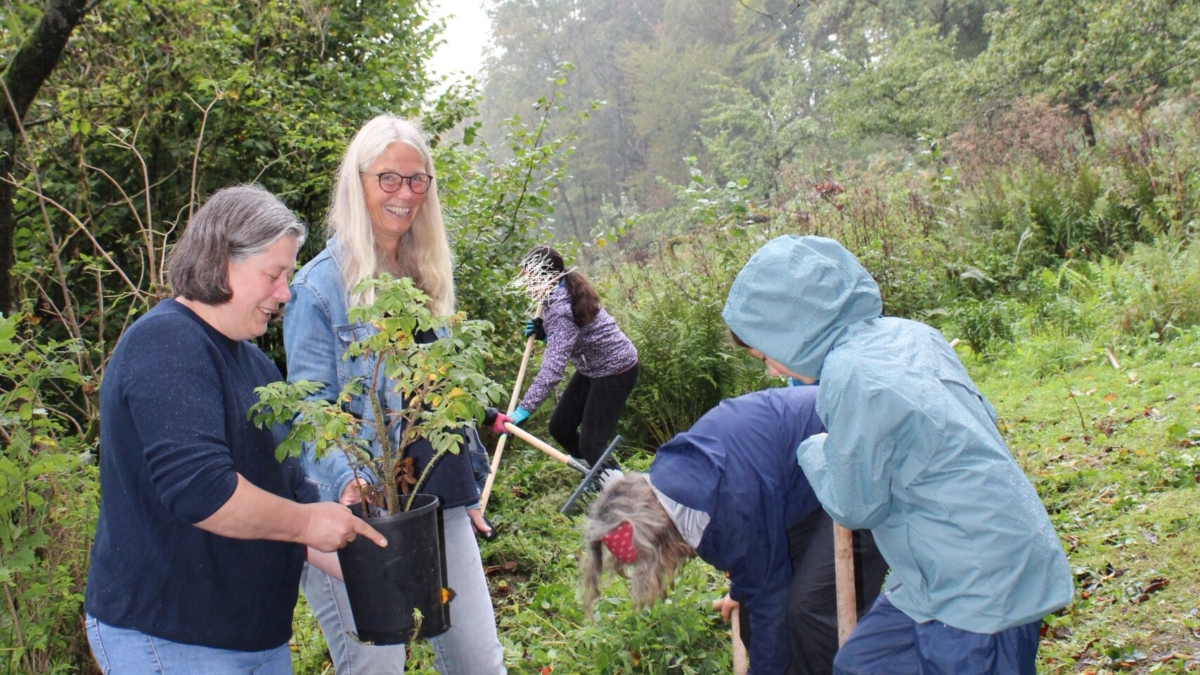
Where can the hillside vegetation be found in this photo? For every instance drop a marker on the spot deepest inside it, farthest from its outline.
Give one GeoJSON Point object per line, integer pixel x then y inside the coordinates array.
{"type": "Point", "coordinates": [1023, 175]}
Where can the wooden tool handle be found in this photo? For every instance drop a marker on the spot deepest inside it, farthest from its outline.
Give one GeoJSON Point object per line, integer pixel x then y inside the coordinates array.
{"type": "Point", "coordinates": [512, 405]}
{"type": "Point", "coordinates": [740, 662]}
{"type": "Point", "coordinates": [545, 447]}
{"type": "Point", "coordinates": [843, 560]}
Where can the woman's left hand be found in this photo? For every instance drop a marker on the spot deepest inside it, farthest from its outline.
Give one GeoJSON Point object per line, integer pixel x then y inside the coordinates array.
{"type": "Point", "coordinates": [725, 605]}
{"type": "Point", "coordinates": [481, 525]}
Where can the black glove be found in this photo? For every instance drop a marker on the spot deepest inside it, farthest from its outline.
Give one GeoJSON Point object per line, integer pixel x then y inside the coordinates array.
{"type": "Point", "coordinates": [535, 328]}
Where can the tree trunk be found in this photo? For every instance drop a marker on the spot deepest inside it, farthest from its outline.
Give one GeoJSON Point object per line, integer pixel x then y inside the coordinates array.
{"type": "Point", "coordinates": [1089, 129]}
{"type": "Point", "coordinates": [26, 73]}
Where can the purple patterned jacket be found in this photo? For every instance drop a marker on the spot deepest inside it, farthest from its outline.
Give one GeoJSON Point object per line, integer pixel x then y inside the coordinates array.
{"type": "Point", "coordinates": [598, 349]}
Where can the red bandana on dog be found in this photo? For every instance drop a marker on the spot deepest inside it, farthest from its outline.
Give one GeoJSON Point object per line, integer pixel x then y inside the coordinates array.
{"type": "Point", "coordinates": [620, 543]}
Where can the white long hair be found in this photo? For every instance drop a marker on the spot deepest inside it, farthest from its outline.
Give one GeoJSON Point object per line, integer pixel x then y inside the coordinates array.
{"type": "Point", "coordinates": [424, 253]}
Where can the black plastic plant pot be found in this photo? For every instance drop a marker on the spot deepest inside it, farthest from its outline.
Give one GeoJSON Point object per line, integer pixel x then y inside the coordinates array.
{"type": "Point", "coordinates": [385, 585]}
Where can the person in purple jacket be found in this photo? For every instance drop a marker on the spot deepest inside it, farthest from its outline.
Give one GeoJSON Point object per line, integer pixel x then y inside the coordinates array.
{"type": "Point", "coordinates": [576, 328]}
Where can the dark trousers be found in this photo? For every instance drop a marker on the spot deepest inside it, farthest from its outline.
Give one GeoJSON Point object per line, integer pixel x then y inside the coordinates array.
{"type": "Point", "coordinates": [588, 412]}
{"type": "Point", "coordinates": [887, 642]}
{"type": "Point", "coordinates": [812, 599]}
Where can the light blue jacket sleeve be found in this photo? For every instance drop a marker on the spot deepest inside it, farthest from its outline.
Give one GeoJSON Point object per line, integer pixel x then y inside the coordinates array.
{"type": "Point", "coordinates": [312, 354]}
{"type": "Point", "coordinates": [851, 467]}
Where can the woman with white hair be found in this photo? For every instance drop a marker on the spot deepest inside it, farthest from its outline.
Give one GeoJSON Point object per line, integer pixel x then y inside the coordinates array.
{"type": "Point", "coordinates": [385, 218]}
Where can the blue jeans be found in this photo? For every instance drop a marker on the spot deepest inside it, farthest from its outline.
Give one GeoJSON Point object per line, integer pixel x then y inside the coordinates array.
{"type": "Point", "coordinates": [887, 642]}
{"type": "Point", "coordinates": [470, 647]}
{"type": "Point", "coordinates": [121, 651]}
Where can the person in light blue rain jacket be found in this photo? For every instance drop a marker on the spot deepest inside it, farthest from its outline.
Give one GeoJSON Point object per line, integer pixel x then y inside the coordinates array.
{"type": "Point", "coordinates": [912, 453]}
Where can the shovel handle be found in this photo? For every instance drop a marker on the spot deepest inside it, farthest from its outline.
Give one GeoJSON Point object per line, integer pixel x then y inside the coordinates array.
{"type": "Point", "coordinates": [843, 560]}
{"type": "Point", "coordinates": [512, 405]}
{"type": "Point", "coordinates": [740, 663]}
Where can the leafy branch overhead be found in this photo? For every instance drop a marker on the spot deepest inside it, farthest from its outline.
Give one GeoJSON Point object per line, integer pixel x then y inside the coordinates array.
{"type": "Point", "coordinates": [438, 384]}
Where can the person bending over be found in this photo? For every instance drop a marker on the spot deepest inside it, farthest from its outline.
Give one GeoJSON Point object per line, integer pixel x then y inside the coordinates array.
{"type": "Point", "coordinates": [912, 453]}
{"type": "Point", "coordinates": [729, 491]}
{"type": "Point", "coordinates": [576, 328]}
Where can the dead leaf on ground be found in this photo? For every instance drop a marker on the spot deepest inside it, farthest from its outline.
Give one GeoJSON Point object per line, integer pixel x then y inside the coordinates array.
{"type": "Point", "coordinates": [1155, 585]}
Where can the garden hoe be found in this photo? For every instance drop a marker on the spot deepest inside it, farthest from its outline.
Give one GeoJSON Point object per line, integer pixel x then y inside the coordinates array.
{"type": "Point", "coordinates": [591, 476]}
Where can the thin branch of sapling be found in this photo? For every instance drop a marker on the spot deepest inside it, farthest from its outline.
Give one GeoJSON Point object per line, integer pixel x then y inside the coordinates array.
{"type": "Point", "coordinates": [59, 390]}
{"type": "Point", "coordinates": [16, 624]}
{"type": "Point", "coordinates": [358, 480]}
{"type": "Point", "coordinates": [133, 210]}
{"type": "Point", "coordinates": [145, 228]}
{"type": "Point", "coordinates": [73, 325]}
{"type": "Point", "coordinates": [83, 228]}
{"type": "Point", "coordinates": [271, 164]}
{"type": "Point", "coordinates": [381, 428]}
{"type": "Point", "coordinates": [196, 153]}
{"type": "Point", "coordinates": [1075, 401]}
{"type": "Point", "coordinates": [425, 474]}
{"type": "Point", "coordinates": [408, 436]}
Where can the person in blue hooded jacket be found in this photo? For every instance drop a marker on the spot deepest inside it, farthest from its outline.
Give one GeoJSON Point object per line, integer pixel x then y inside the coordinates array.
{"type": "Point", "coordinates": [729, 491]}
{"type": "Point", "coordinates": [911, 452]}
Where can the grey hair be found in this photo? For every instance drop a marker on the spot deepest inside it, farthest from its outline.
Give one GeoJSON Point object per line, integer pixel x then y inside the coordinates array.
{"type": "Point", "coordinates": [234, 224]}
{"type": "Point", "coordinates": [661, 549]}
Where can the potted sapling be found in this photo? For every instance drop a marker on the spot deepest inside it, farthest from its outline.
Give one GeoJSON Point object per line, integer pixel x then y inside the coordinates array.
{"type": "Point", "coordinates": [399, 592]}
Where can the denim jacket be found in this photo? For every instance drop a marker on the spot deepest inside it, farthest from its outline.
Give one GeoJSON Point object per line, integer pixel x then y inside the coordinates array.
{"type": "Point", "coordinates": [316, 334]}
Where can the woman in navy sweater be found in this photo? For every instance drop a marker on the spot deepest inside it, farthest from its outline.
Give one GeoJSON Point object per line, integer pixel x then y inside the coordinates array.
{"type": "Point", "coordinates": [202, 533]}
{"type": "Point", "coordinates": [729, 492]}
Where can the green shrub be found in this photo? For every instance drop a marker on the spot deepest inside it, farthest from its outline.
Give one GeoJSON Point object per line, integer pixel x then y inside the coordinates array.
{"type": "Point", "coordinates": [672, 312]}
{"type": "Point", "coordinates": [1162, 285]}
{"type": "Point", "coordinates": [48, 502]}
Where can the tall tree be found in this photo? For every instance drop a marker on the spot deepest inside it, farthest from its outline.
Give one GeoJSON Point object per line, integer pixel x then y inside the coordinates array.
{"type": "Point", "coordinates": [23, 78]}
{"type": "Point", "coordinates": [533, 40]}
{"type": "Point", "coordinates": [1089, 54]}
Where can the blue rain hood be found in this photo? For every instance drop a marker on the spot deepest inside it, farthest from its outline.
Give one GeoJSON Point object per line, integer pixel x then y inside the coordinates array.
{"type": "Point", "coordinates": [912, 451]}
{"type": "Point", "coordinates": [796, 296]}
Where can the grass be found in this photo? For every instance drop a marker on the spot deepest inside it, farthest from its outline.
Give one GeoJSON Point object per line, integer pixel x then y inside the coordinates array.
{"type": "Point", "coordinates": [1115, 455]}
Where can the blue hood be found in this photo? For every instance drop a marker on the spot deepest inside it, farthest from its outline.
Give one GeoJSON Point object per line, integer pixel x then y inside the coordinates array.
{"type": "Point", "coordinates": [796, 296]}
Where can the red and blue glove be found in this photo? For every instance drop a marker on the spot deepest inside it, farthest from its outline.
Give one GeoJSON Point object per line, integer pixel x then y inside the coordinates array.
{"type": "Point", "coordinates": [495, 420]}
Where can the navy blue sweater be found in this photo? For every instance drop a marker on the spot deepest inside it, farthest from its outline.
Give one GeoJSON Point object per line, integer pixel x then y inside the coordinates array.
{"type": "Point", "coordinates": [738, 465]}
{"type": "Point", "coordinates": [173, 438]}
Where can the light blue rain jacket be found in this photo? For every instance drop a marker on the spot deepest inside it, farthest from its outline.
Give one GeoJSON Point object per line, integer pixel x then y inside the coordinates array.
{"type": "Point", "coordinates": [912, 451]}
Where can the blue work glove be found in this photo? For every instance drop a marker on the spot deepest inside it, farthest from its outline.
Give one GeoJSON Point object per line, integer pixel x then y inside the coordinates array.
{"type": "Point", "coordinates": [520, 415]}
{"type": "Point", "coordinates": [535, 328]}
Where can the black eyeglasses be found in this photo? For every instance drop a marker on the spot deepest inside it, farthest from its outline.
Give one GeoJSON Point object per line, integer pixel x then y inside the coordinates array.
{"type": "Point", "coordinates": [390, 181]}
